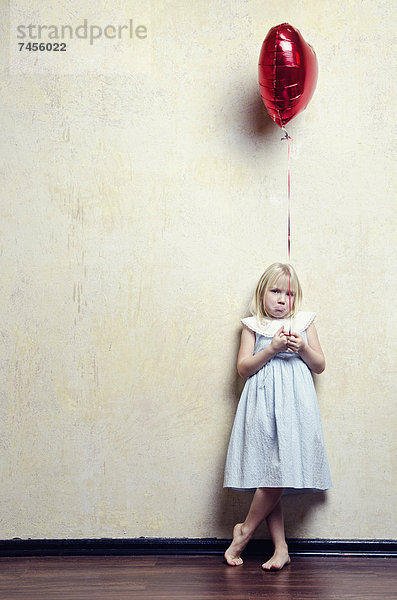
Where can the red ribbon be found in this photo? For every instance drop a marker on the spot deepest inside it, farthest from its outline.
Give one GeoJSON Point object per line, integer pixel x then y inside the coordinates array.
{"type": "Point", "coordinates": [288, 138]}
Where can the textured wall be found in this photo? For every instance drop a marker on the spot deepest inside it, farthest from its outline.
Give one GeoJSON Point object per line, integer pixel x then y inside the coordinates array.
{"type": "Point", "coordinates": [143, 191]}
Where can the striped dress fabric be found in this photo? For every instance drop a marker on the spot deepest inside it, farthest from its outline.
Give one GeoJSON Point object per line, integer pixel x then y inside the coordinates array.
{"type": "Point", "coordinates": [277, 438]}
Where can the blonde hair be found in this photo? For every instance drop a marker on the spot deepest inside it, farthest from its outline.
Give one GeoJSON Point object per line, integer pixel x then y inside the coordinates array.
{"type": "Point", "coordinates": [267, 280]}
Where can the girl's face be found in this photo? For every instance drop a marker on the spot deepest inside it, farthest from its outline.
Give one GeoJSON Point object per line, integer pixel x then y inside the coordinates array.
{"type": "Point", "coordinates": [277, 298]}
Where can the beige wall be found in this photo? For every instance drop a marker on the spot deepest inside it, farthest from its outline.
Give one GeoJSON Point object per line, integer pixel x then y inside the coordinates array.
{"type": "Point", "coordinates": [143, 192]}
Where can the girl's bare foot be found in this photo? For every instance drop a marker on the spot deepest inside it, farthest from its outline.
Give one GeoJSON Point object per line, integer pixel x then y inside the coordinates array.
{"type": "Point", "coordinates": [279, 559]}
{"type": "Point", "coordinates": [232, 554]}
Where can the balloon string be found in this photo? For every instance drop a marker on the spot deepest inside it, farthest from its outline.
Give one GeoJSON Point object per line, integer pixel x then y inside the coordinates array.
{"type": "Point", "coordinates": [288, 138]}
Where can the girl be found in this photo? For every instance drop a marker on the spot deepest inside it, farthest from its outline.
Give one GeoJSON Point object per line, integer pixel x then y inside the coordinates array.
{"type": "Point", "coordinates": [276, 445]}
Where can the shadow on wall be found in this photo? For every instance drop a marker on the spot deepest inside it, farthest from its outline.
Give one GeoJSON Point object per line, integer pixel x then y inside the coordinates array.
{"type": "Point", "coordinates": [258, 123]}
{"type": "Point", "coordinates": [299, 509]}
{"type": "Point", "coordinates": [249, 124]}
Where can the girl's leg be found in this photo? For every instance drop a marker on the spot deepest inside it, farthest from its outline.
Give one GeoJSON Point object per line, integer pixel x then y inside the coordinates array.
{"type": "Point", "coordinates": [263, 502]}
{"type": "Point", "coordinates": [275, 523]}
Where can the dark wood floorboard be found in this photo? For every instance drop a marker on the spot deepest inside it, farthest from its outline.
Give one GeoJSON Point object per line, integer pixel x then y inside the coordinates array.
{"type": "Point", "coordinates": [196, 578]}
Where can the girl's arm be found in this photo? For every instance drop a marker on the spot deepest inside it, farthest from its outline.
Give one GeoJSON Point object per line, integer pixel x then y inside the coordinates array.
{"type": "Point", "coordinates": [249, 363]}
{"type": "Point", "coordinates": [311, 351]}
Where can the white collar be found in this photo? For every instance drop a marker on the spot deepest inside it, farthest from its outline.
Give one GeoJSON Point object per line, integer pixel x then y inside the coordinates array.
{"type": "Point", "coordinates": [268, 327]}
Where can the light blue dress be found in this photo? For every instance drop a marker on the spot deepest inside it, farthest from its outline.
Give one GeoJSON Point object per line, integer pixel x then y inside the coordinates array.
{"type": "Point", "coordinates": [277, 438]}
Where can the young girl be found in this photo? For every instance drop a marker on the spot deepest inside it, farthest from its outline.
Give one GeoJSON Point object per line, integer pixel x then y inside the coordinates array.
{"type": "Point", "coordinates": [276, 445]}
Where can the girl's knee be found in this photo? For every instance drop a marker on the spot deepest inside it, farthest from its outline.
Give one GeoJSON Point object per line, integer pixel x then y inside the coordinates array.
{"type": "Point", "coordinates": [275, 491]}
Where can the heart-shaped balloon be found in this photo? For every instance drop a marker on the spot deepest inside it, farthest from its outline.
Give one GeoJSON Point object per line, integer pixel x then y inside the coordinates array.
{"type": "Point", "coordinates": [287, 73]}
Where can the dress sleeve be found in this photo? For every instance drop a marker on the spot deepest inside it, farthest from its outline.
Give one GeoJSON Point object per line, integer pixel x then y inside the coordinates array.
{"type": "Point", "coordinates": [250, 322]}
{"type": "Point", "coordinates": [303, 320]}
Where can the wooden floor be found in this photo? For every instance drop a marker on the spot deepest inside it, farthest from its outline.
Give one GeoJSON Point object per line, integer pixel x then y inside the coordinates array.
{"type": "Point", "coordinates": [195, 578]}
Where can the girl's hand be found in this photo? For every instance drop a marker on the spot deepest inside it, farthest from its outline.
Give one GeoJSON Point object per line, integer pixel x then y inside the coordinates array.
{"type": "Point", "coordinates": [279, 342]}
{"type": "Point", "coordinates": [295, 343]}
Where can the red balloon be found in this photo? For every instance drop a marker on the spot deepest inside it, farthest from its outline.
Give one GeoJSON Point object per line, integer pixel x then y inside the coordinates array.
{"type": "Point", "coordinates": [287, 73]}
